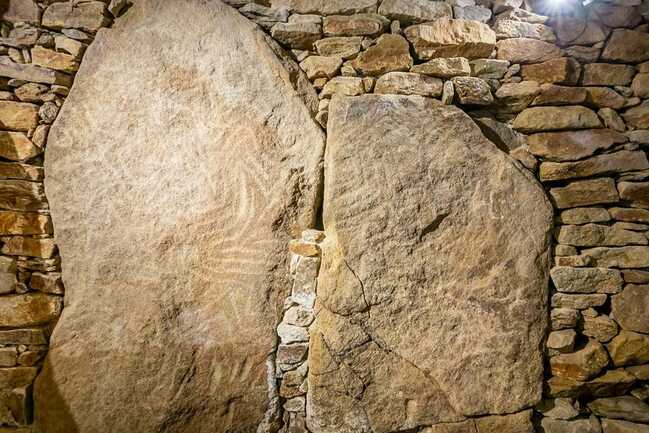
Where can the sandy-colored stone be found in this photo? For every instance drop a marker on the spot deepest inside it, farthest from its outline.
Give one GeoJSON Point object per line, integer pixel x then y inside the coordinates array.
{"type": "Point", "coordinates": [299, 36]}
{"type": "Point", "coordinates": [326, 7]}
{"type": "Point", "coordinates": [16, 146]}
{"type": "Point", "coordinates": [489, 68]}
{"type": "Point", "coordinates": [472, 91]}
{"type": "Point", "coordinates": [552, 94]}
{"type": "Point", "coordinates": [637, 193]}
{"type": "Point", "coordinates": [88, 16]}
{"type": "Point", "coordinates": [582, 364]}
{"type": "Point", "coordinates": [599, 235]}
{"type": "Point", "coordinates": [29, 310]}
{"type": "Point", "coordinates": [640, 85]}
{"type": "Point", "coordinates": [627, 46]}
{"type": "Point", "coordinates": [621, 426]}
{"type": "Point", "coordinates": [629, 348]}
{"type": "Point", "coordinates": [389, 53]}
{"type": "Point", "coordinates": [525, 50]}
{"type": "Point", "coordinates": [18, 116]}
{"type": "Point", "coordinates": [572, 145]}
{"type": "Point", "coordinates": [350, 86]}
{"type": "Point", "coordinates": [626, 407]}
{"type": "Point", "coordinates": [51, 59]}
{"type": "Point", "coordinates": [621, 257]}
{"type": "Point", "coordinates": [607, 74]}
{"type": "Point", "coordinates": [430, 354]}
{"type": "Point", "coordinates": [638, 116]}
{"type": "Point", "coordinates": [586, 280]}
{"type": "Point", "coordinates": [603, 97]}
{"type": "Point", "coordinates": [520, 422]}
{"type": "Point", "coordinates": [616, 162]}
{"type": "Point", "coordinates": [630, 215]}
{"type": "Point", "coordinates": [590, 425]}
{"type": "Point", "coordinates": [408, 83]}
{"type": "Point", "coordinates": [205, 184]}
{"type": "Point", "coordinates": [562, 318]}
{"type": "Point", "coordinates": [345, 48]}
{"type": "Point", "coordinates": [515, 97]}
{"type": "Point", "coordinates": [563, 70]}
{"type": "Point", "coordinates": [415, 11]}
{"type": "Point", "coordinates": [584, 193]}
{"type": "Point", "coordinates": [444, 67]}
{"type": "Point", "coordinates": [556, 118]}
{"type": "Point", "coordinates": [29, 72]}
{"type": "Point", "coordinates": [47, 283]}
{"type": "Point", "coordinates": [451, 38]}
{"type": "Point", "coordinates": [321, 66]}
{"type": "Point", "coordinates": [505, 28]}
{"type": "Point", "coordinates": [584, 215]}
{"type": "Point", "coordinates": [601, 328]}
{"type": "Point", "coordinates": [17, 11]}
{"type": "Point", "coordinates": [28, 246]}
{"type": "Point", "coordinates": [355, 25]}
{"type": "Point", "coordinates": [577, 302]}
{"type": "Point", "coordinates": [562, 341]}
{"type": "Point", "coordinates": [629, 308]}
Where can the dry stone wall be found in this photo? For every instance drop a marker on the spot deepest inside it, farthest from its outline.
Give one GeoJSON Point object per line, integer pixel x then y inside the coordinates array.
{"type": "Point", "coordinates": [564, 89]}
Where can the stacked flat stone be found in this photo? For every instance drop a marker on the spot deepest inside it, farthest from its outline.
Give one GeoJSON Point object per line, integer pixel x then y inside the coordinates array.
{"type": "Point", "coordinates": [293, 331]}
{"type": "Point", "coordinates": [568, 97]}
{"type": "Point", "coordinates": [41, 47]}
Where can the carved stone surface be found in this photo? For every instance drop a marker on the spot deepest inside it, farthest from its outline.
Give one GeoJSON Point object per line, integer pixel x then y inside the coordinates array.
{"type": "Point", "coordinates": [173, 219]}
{"type": "Point", "coordinates": [432, 220]}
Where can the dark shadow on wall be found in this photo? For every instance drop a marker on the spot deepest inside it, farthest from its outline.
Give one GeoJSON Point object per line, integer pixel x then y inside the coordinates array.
{"type": "Point", "coordinates": [4, 7]}
{"type": "Point", "coordinates": [46, 390]}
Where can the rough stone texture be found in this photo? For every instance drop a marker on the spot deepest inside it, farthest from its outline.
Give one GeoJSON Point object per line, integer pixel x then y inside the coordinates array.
{"type": "Point", "coordinates": [606, 74]}
{"type": "Point", "coordinates": [636, 193]}
{"type": "Point", "coordinates": [389, 53]}
{"type": "Point", "coordinates": [400, 257]}
{"type": "Point", "coordinates": [345, 48]}
{"type": "Point", "coordinates": [590, 425]}
{"type": "Point", "coordinates": [627, 46]}
{"type": "Point", "coordinates": [630, 308]}
{"type": "Point", "coordinates": [32, 73]}
{"type": "Point", "coordinates": [616, 162]}
{"type": "Point", "coordinates": [586, 280]}
{"type": "Point", "coordinates": [627, 407]}
{"type": "Point", "coordinates": [29, 310]}
{"type": "Point", "coordinates": [20, 11]}
{"type": "Point", "coordinates": [573, 145]}
{"type": "Point", "coordinates": [620, 426]}
{"type": "Point", "coordinates": [556, 118]}
{"type": "Point", "coordinates": [629, 348]}
{"type": "Point", "coordinates": [451, 38]}
{"type": "Point", "coordinates": [86, 16]}
{"type": "Point", "coordinates": [525, 50]}
{"type": "Point", "coordinates": [326, 7]}
{"type": "Point", "coordinates": [585, 192]}
{"type": "Point", "coordinates": [638, 116]}
{"type": "Point", "coordinates": [444, 67]}
{"type": "Point", "coordinates": [415, 11]}
{"type": "Point", "coordinates": [472, 91]}
{"type": "Point", "coordinates": [18, 116]}
{"type": "Point", "coordinates": [204, 184]}
{"type": "Point", "coordinates": [406, 83]}
{"type": "Point", "coordinates": [582, 364]}
{"type": "Point", "coordinates": [564, 70]}
{"type": "Point", "coordinates": [355, 25]}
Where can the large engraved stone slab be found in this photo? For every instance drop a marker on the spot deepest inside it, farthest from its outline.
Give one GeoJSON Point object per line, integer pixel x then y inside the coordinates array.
{"type": "Point", "coordinates": [180, 166]}
{"type": "Point", "coordinates": [432, 291]}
